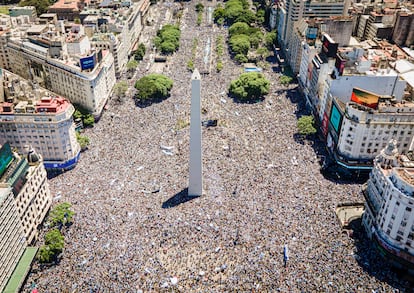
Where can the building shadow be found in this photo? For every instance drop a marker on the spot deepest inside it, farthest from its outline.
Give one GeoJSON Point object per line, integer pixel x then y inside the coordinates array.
{"type": "Point", "coordinates": [370, 260]}
{"type": "Point", "coordinates": [179, 198]}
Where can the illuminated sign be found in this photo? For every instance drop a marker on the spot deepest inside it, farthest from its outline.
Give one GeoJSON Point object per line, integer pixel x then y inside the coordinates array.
{"type": "Point", "coordinates": [87, 62]}
{"type": "Point", "coordinates": [336, 118]}
{"type": "Point", "coordinates": [365, 98]}
{"type": "Point", "coordinates": [6, 157]}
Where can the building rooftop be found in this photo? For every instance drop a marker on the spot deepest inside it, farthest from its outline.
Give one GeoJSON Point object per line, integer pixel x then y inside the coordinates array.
{"type": "Point", "coordinates": [407, 174]}
{"type": "Point", "coordinates": [22, 96]}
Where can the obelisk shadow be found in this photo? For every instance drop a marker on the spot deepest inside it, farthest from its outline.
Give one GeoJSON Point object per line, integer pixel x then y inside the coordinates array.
{"type": "Point", "coordinates": [179, 198]}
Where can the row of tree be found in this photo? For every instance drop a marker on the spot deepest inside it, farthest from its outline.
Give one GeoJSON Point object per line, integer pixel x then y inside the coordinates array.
{"type": "Point", "coordinates": [59, 217]}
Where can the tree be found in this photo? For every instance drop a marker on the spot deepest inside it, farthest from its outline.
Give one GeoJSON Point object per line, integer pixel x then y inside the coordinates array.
{"type": "Point", "coordinates": [83, 140]}
{"type": "Point", "coordinates": [285, 79]}
{"type": "Point", "coordinates": [219, 14]}
{"type": "Point", "coordinates": [262, 53]}
{"type": "Point", "coordinates": [54, 244]}
{"type": "Point", "coordinates": [121, 88]}
{"type": "Point", "coordinates": [239, 28]}
{"type": "Point", "coordinates": [270, 39]}
{"type": "Point", "coordinates": [87, 119]}
{"type": "Point", "coordinates": [168, 39]}
{"type": "Point", "coordinates": [199, 7]}
{"type": "Point", "coordinates": [255, 38]}
{"type": "Point", "coordinates": [153, 87]}
{"type": "Point", "coordinates": [250, 85]}
{"type": "Point", "coordinates": [140, 52]}
{"type": "Point", "coordinates": [246, 16]}
{"type": "Point", "coordinates": [260, 16]}
{"type": "Point", "coordinates": [241, 58]}
{"type": "Point", "coordinates": [61, 215]}
{"type": "Point", "coordinates": [132, 65]}
{"type": "Point", "coordinates": [240, 44]}
{"type": "Point", "coordinates": [41, 5]}
{"type": "Point", "coordinates": [45, 254]}
{"type": "Point", "coordinates": [306, 125]}
{"type": "Point", "coordinates": [55, 240]}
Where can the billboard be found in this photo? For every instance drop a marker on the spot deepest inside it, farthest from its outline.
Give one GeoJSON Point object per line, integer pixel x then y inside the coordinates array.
{"type": "Point", "coordinates": [329, 47]}
{"type": "Point", "coordinates": [6, 156]}
{"type": "Point", "coordinates": [312, 33]}
{"type": "Point", "coordinates": [325, 124]}
{"type": "Point", "coordinates": [365, 98]}
{"type": "Point", "coordinates": [87, 62]}
{"type": "Point", "coordinates": [336, 118]}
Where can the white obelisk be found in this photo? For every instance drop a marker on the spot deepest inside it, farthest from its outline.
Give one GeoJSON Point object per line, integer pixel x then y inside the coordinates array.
{"type": "Point", "coordinates": [195, 185]}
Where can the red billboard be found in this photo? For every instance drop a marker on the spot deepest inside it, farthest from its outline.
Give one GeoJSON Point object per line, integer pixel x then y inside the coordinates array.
{"type": "Point", "coordinates": [365, 98]}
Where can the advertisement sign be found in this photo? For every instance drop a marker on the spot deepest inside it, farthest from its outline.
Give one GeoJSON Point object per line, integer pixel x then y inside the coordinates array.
{"type": "Point", "coordinates": [6, 157]}
{"type": "Point", "coordinates": [365, 98]}
{"type": "Point", "coordinates": [336, 118]}
{"type": "Point", "coordinates": [325, 123]}
{"type": "Point", "coordinates": [329, 46]}
{"type": "Point", "coordinates": [87, 62]}
{"type": "Point", "coordinates": [312, 33]}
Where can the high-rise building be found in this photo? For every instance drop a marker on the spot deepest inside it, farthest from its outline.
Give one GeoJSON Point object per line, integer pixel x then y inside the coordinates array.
{"type": "Point", "coordinates": [31, 116]}
{"type": "Point", "coordinates": [404, 25]}
{"type": "Point", "coordinates": [389, 217]}
{"type": "Point", "coordinates": [24, 202]}
{"type": "Point", "coordinates": [12, 239]}
{"type": "Point", "coordinates": [291, 11]}
{"type": "Point", "coordinates": [27, 179]}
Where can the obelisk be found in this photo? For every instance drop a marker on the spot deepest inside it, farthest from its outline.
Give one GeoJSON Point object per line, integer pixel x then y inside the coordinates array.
{"type": "Point", "coordinates": [195, 185]}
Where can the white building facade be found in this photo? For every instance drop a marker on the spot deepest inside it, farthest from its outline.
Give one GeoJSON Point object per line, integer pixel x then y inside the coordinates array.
{"type": "Point", "coordinates": [389, 218]}
{"type": "Point", "coordinates": [44, 122]}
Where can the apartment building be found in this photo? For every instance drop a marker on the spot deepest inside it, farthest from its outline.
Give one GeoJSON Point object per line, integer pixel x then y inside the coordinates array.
{"type": "Point", "coordinates": [359, 129]}
{"type": "Point", "coordinates": [308, 31]}
{"type": "Point", "coordinates": [63, 62]}
{"type": "Point", "coordinates": [31, 116]}
{"type": "Point", "coordinates": [12, 239]}
{"type": "Point", "coordinates": [24, 202]}
{"type": "Point", "coordinates": [116, 30]}
{"type": "Point", "coordinates": [291, 11]}
{"type": "Point", "coordinates": [388, 217]}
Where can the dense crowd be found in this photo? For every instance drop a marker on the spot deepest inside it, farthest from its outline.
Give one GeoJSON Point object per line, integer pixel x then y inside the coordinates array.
{"type": "Point", "coordinates": [136, 231]}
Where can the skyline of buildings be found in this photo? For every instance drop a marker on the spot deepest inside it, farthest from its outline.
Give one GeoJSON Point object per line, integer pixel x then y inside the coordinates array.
{"type": "Point", "coordinates": [359, 89]}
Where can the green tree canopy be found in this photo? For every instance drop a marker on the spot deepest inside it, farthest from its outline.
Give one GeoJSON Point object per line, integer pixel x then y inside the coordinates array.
{"type": "Point", "coordinates": [247, 16]}
{"type": "Point", "coordinates": [140, 52]}
{"type": "Point", "coordinates": [306, 125]}
{"type": "Point", "coordinates": [285, 79]}
{"type": "Point", "coordinates": [240, 44]}
{"type": "Point", "coordinates": [249, 86]}
{"type": "Point", "coordinates": [239, 28]}
{"type": "Point", "coordinates": [168, 39]}
{"type": "Point", "coordinates": [54, 243]}
{"type": "Point", "coordinates": [132, 65]}
{"type": "Point", "coordinates": [41, 5]}
{"type": "Point", "coordinates": [199, 7]}
{"type": "Point", "coordinates": [218, 13]}
{"type": "Point", "coordinates": [153, 87]}
{"type": "Point", "coordinates": [270, 39]}
{"type": "Point", "coordinates": [61, 214]}
{"type": "Point", "coordinates": [121, 88]}
{"type": "Point", "coordinates": [83, 140]}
